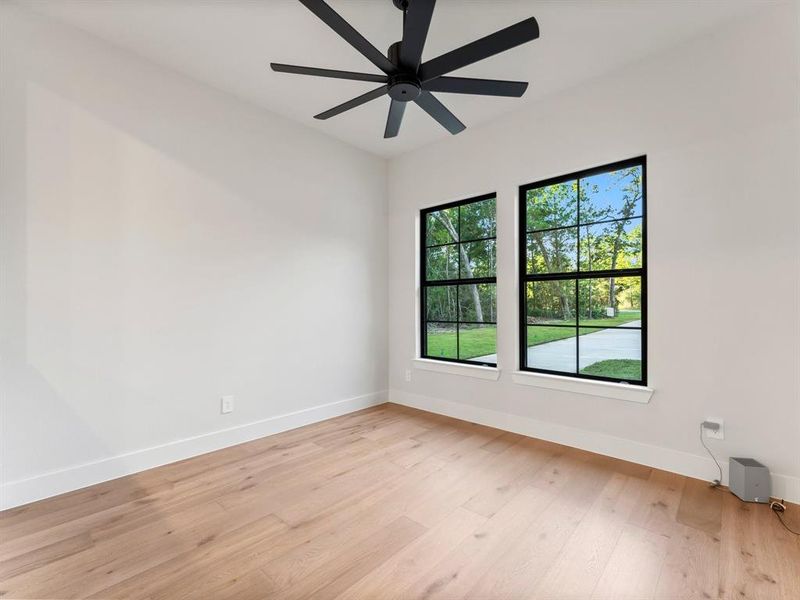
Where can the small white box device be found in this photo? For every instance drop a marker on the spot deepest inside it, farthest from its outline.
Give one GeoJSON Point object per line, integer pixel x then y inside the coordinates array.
{"type": "Point", "coordinates": [749, 480]}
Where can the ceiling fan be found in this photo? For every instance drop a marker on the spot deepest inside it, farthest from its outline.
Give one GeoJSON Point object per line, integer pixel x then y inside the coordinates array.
{"type": "Point", "coordinates": [405, 77]}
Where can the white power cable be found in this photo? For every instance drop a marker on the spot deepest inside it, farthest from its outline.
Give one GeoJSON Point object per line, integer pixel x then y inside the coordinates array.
{"type": "Point", "coordinates": [716, 482]}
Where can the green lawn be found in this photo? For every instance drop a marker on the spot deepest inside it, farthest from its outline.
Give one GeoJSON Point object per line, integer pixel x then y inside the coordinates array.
{"type": "Point", "coordinates": [482, 340]}
{"type": "Point", "coordinates": [473, 342]}
{"type": "Point", "coordinates": [619, 368]}
{"type": "Point", "coordinates": [541, 334]}
{"type": "Point", "coordinates": [623, 316]}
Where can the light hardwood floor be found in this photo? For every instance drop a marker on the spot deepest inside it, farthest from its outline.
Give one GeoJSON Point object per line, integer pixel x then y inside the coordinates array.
{"type": "Point", "coordinates": [396, 503]}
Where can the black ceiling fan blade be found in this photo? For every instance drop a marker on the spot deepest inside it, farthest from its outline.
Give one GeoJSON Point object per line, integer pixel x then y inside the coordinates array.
{"type": "Point", "coordinates": [416, 22]}
{"type": "Point", "coordinates": [439, 111]}
{"type": "Point", "coordinates": [334, 73]}
{"type": "Point", "coordinates": [482, 87]}
{"type": "Point", "coordinates": [333, 20]}
{"type": "Point", "coordinates": [396, 112]}
{"type": "Point", "coordinates": [497, 42]}
{"type": "Point", "coordinates": [357, 101]}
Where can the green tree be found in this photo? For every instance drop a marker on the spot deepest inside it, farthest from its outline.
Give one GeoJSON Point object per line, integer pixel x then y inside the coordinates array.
{"type": "Point", "coordinates": [466, 266]}
{"type": "Point", "coordinates": [470, 230]}
{"type": "Point", "coordinates": [551, 214]}
{"type": "Point", "coordinates": [630, 180]}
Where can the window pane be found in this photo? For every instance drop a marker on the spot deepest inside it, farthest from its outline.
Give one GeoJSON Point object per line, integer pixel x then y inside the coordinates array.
{"type": "Point", "coordinates": [611, 301]}
{"type": "Point", "coordinates": [440, 226]}
{"type": "Point", "coordinates": [478, 302]}
{"type": "Point", "coordinates": [442, 263]}
{"type": "Point", "coordinates": [551, 348]}
{"type": "Point", "coordinates": [478, 342]}
{"type": "Point", "coordinates": [611, 352]}
{"type": "Point", "coordinates": [552, 206]}
{"type": "Point", "coordinates": [550, 302]}
{"type": "Point", "coordinates": [615, 245]}
{"type": "Point", "coordinates": [553, 251]}
{"type": "Point", "coordinates": [478, 220]}
{"type": "Point", "coordinates": [441, 303]}
{"type": "Point", "coordinates": [612, 195]}
{"type": "Point", "coordinates": [478, 259]}
{"type": "Point", "coordinates": [441, 340]}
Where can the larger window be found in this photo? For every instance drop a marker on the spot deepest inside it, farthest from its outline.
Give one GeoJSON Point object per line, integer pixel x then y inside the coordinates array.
{"type": "Point", "coordinates": [583, 274]}
{"type": "Point", "coordinates": [458, 292]}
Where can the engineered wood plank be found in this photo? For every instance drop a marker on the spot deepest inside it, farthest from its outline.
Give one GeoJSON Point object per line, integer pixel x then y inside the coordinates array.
{"type": "Point", "coordinates": [691, 566]}
{"type": "Point", "coordinates": [658, 509]}
{"type": "Point", "coordinates": [701, 506]}
{"type": "Point", "coordinates": [183, 494]}
{"type": "Point", "coordinates": [451, 486]}
{"type": "Point", "coordinates": [38, 517]}
{"type": "Point", "coordinates": [224, 584]}
{"type": "Point", "coordinates": [185, 573]}
{"type": "Point", "coordinates": [633, 570]}
{"type": "Point", "coordinates": [116, 558]}
{"type": "Point", "coordinates": [429, 444]}
{"type": "Point", "coordinates": [520, 570]}
{"type": "Point", "coordinates": [40, 556]}
{"type": "Point", "coordinates": [391, 580]}
{"type": "Point", "coordinates": [516, 470]}
{"type": "Point", "coordinates": [293, 477]}
{"type": "Point", "coordinates": [583, 559]}
{"type": "Point", "coordinates": [623, 467]}
{"type": "Point", "coordinates": [297, 504]}
{"type": "Point", "coordinates": [502, 442]}
{"type": "Point", "coordinates": [459, 570]}
{"type": "Point", "coordinates": [306, 546]}
{"type": "Point", "coordinates": [478, 436]}
{"type": "Point", "coordinates": [352, 563]}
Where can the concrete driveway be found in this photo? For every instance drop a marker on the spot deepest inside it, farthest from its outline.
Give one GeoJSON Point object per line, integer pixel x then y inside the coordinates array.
{"type": "Point", "coordinates": [605, 344]}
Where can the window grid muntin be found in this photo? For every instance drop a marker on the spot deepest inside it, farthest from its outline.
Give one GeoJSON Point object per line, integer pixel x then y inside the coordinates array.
{"type": "Point", "coordinates": [546, 229]}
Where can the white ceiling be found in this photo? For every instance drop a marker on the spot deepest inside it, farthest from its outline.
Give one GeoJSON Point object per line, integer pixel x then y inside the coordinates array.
{"type": "Point", "coordinates": [229, 45]}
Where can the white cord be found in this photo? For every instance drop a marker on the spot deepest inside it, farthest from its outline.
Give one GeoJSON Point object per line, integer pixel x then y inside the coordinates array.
{"type": "Point", "coordinates": [716, 482]}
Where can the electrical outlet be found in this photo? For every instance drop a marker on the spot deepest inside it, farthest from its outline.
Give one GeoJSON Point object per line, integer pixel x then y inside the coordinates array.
{"type": "Point", "coordinates": [408, 374]}
{"type": "Point", "coordinates": [719, 434]}
{"type": "Point", "coordinates": [226, 404]}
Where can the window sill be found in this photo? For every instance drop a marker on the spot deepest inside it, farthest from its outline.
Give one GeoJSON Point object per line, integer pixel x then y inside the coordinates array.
{"type": "Point", "coordinates": [605, 389]}
{"type": "Point", "coordinates": [439, 366]}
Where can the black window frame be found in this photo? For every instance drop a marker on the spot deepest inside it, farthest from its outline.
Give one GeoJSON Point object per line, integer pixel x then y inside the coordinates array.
{"type": "Point", "coordinates": [525, 277]}
{"type": "Point", "coordinates": [425, 284]}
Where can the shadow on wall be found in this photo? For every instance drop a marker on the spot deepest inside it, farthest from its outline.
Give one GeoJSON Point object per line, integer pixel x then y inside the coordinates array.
{"type": "Point", "coordinates": [147, 221]}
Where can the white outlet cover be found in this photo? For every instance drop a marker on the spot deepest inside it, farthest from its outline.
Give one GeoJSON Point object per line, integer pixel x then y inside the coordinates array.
{"type": "Point", "coordinates": [226, 404]}
{"type": "Point", "coordinates": [716, 435]}
{"type": "Point", "coordinates": [408, 374]}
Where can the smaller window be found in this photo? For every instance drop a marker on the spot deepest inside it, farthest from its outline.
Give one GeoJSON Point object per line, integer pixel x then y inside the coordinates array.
{"type": "Point", "coordinates": [458, 295]}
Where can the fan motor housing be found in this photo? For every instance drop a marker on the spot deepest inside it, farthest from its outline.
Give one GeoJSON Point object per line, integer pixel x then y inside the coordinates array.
{"type": "Point", "coordinates": [404, 87]}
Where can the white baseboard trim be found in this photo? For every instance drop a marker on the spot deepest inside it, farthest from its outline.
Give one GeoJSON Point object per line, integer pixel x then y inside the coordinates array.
{"type": "Point", "coordinates": [53, 483]}
{"type": "Point", "coordinates": [675, 461]}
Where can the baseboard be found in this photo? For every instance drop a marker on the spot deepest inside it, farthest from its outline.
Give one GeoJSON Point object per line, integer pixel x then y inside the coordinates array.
{"type": "Point", "coordinates": [675, 461]}
{"type": "Point", "coordinates": [23, 491]}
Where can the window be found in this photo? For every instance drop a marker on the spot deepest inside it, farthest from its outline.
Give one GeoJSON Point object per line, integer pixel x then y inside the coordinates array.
{"type": "Point", "coordinates": [583, 274]}
{"type": "Point", "coordinates": [458, 295]}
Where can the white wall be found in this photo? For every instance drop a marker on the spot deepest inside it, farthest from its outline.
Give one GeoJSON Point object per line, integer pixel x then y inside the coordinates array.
{"type": "Point", "coordinates": [164, 244]}
{"type": "Point", "coordinates": [718, 121]}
